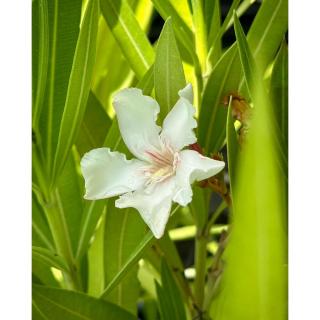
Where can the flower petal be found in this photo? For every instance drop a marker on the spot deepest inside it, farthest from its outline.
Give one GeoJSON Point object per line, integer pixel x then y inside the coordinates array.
{"type": "Point", "coordinates": [179, 123]}
{"type": "Point", "coordinates": [108, 174]}
{"type": "Point", "coordinates": [193, 167]}
{"type": "Point", "coordinates": [137, 115]}
{"type": "Point", "coordinates": [153, 204]}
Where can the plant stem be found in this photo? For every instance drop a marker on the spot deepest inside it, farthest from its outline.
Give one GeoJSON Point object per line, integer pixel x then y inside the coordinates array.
{"type": "Point", "coordinates": [200, 264]}
{"type": "Point", "coordinates": [215, 272]}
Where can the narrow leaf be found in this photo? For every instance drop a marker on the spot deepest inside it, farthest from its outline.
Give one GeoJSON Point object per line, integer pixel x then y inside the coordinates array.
{"type": "Point", "coordinates": [130, 37]}
{"type": "Point", "coordinates": [232, 147]}
{"type": "Point", "coordinates": [64, 21]}
{"type": "Point", "coordinates": [48, 257]}
{"type": "Point", "coordinates": [279, 91]}
{"type": "Point", "coordinates": [55, 304]}
{"type": "Point", "coordinates": [264, 38]}
{"type": "Point", "coordinates": [170, 300]}
{"type": "Point", "coordinates": [246, 58]}
{"type": "Point", "coordinates": [168, 71]}
{"type": "Point", "coordinates": [124, 230]}
{"type": "Point", "coordinates": [135, 255]}
{"type": "Point", "coordinates": [79, 86]}
{"type": "Point", "coordinates": [40, 51]}
{"type": "Point", "coordinates": [181, 20]}
{"type": "Point", "coordinates": [254, 283]}
{"type": "Point", "coordinates": [94, 126]}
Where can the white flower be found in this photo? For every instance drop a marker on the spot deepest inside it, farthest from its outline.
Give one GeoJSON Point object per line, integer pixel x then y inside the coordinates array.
{"type": "Point", "coordinates": [162, 172]}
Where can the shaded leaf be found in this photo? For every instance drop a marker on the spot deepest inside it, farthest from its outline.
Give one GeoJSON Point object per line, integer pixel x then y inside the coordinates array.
{"type": "Point", "coordinates": [232, 147]}
{"type": "Point", "coordinates": [55, 304]}
{"type": "Point", "coordinates": [49, 258]}
{"type": "Point", "coordinates": [124, 230]}
{"type": "Point", "coordinates": [169, 298]}
{"type": "Point", "coordinates": [94, 126]}
{"type": "Point", "coordinates": [40, 56]}
{"type": "Point", "coordinates": [64, 21]}
{"type": "Point", "coordinates": [79, 86]}
{"type": "Point", "coordinates": [134, 257]}
{"type": "Point", "coordinates": [279, 91]}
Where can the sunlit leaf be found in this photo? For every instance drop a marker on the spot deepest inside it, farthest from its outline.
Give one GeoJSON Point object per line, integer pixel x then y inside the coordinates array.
{"type": "Point", "coordinates": [264, 38]}
{"type": "Point", "coordinates": [131, 38]}
{"type": "Point", "coordinates": [168, 71]}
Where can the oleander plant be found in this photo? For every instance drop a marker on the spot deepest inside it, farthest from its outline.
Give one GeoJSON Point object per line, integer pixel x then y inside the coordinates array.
{"type": "Point", "coordinates": [159, 159]}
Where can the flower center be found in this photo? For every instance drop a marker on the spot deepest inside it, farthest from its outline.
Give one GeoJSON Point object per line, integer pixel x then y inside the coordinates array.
{"type": "Point", "coordinates": [163, 164]}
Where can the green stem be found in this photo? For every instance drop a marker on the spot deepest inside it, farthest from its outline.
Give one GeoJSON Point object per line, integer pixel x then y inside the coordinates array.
{"type": "Point", "coordinates": [215, 273]}
{"type": "Point", "coordinates": [200, 264]}
{"type": "Point", "coordinates": [215, 215]}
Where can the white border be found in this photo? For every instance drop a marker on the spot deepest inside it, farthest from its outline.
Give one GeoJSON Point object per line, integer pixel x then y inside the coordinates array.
{"type": "Point", "coordinates": [15, 169]}
{"type": "Point", "coordinates": [304, 160]}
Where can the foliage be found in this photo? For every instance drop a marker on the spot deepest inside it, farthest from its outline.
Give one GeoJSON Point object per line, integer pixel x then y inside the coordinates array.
{"type": "Point", "coordinates": [94, 261]}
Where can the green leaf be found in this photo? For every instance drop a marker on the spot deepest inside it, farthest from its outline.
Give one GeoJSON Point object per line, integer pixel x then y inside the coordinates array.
{"type": "Point", "coordinates": [49, 258]}
{"type": "Point", "coordinates": [213, 113]}
{"type": "Point", "coordinates": [94, 126]}
{"type": "Point", "coordinates": [40, 56]}
{"type": "Point", "coordinates": [200, 31]}
{"type": "Point", "coordinates": [264, 38]}
{"type": "Point", "coordinates": [130, 37]}
{"type": "Point", "coordinates": [252, 76]}
{"type": "Point", "coordinates": [91, 215]}
{"type": "Point", "coordinates": [41, 234]}
{"type": "Point", "coordinates": [134, 257]}
{"type": "Point", "coordinates": [268, 29]}
{"type": "Point", "coordinates": [55, 304]}
{"type": "Point", "coordinates": [169, 297]}
{"type": "Point", "coordinates": [64, 21]}
{"type": "Point", "coordinates": [279, 92]}
{"type": "Point", "coordinates": [246, 58]}
{"type": "Point", "coordinates": [69, 201]}
{"type": "Point", "coordinates": [42, 274]}
{"type": "Point", "coordinates": [96, 261]}
{"type": "Point", "coordinates": [181, 20]}
{"type": "Point", "coordinates": [79, 86]}
{"type": "Point", "coordinates": [109, 60]}
{"type": "Point", "coordinates": [146, 84]}
{"type": "Point", "coordinates": [254, 280]}
{"type": "Point", "coordinates": [124, 230]}
{"type": "Point", "coordinates": [213, 32]}
{"type": "Point", "coordinates": [168, 71]}
{"type": "Point", "coordinates": [232, 147]}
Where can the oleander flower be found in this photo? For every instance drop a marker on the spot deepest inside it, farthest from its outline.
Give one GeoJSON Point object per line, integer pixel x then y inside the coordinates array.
{"type": "Point", "coordinates": [162, 172]}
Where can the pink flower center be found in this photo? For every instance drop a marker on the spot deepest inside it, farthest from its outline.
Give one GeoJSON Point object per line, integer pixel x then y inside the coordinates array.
{"type": "Point", "coordinates": [163, 164]}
